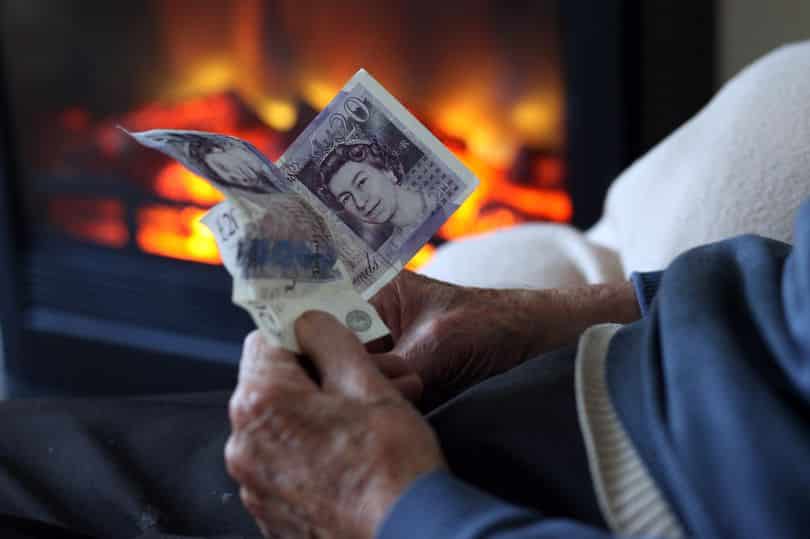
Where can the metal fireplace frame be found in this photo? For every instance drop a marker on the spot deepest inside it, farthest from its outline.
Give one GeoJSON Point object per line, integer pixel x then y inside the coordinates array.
{"type": "Point", "coordinates": [93, 324]}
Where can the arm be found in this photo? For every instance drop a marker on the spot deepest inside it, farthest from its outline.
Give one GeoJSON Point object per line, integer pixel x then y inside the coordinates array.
{"type": "Point", "coordinates": [543, 320]}
{"type": "Point", "coordinates": [454, 337]}
{"type": "Point", "coordinates": [438, 505]}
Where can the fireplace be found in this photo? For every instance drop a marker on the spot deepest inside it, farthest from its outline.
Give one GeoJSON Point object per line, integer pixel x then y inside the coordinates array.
{"type": "Point", "coordinates": [109, 269]}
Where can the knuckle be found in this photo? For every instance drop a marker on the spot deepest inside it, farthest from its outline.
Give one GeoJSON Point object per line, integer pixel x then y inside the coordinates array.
{"type": "Point", "coordinates": [238, 460]}
{"type": "Point", "coordinates": [254, 342]}
{"type": "Point", "coordinates": [251, 400]}
{"type": "Point", "coordinates": [256, 402]}
{"type": "Point", "coordinates": [246, 404]}
{"type": "Point", "coordinates": [235, 411]}
{"type": "Point", "coordinates": [281, 428]}
{"type": "Point", "coordinates": [251, 502]}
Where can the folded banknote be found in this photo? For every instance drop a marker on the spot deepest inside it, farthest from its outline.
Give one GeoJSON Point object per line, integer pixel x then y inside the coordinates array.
{"type": "Point", "coordinates": [354, 197]}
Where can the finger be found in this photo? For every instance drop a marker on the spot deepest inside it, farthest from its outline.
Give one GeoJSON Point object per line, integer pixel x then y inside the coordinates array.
{"type": "Point", "coordinates": [249, 457]}
{"type": "Point", "coordinates": [267, 454]}
{"type": "Point", "coordinates": [388, 304]}
{"type": "Point", "coordinates": [258, 356]}
{"type": "Point", "coordinates": [385, 296]}
{"type": "Point", "coordinates": [340, 357]}
{"type": "Point", "coordinates": [381, 345]}
{"type": "Point", "coordinates": [264, 372]}
{"type": "Point", "coordinates": [410, 386]}
{"type": "Point", "coordinates": [269, 515]}
{"type": "Point", "coordinates": [401, 375]}
{"type": "Point", "coordinates": [391, 365]}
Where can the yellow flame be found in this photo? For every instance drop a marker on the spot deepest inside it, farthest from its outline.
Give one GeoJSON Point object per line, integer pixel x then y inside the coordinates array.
{"type": "Point", "coordinates": [318, 93]}
{"type": "Point", "coordinates": [535, 118]}
{"type": "Point", "coordinates": [175, 182]}
{"type": "Point", "coordinates": [421, 257]}
{"type": "Point", "coordinates": [278, 114]}
{"type": "Point", "coordinates": [493, 147]}
{"type": "Point", "coordinates": [209, 76]}
{"type": "Point", "coordinates": [176, 233]}
{"type": "Point", "coordinates": [201, 244]}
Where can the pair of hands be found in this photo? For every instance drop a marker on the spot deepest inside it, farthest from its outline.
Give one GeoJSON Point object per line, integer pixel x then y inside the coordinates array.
{"type": "Point", "coordinates": [330, 459]}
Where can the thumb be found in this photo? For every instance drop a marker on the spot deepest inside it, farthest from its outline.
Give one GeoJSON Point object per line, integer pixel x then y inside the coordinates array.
{"type": "Point", "coordinates": [343, 362]}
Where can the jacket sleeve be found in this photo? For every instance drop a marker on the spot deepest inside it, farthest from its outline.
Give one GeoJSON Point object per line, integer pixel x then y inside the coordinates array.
{"type": "Point", "coordinates": [796, 303]}
{"type": "Point", "coordinates": [645, 285]}
{"type": "Point", "coordinates": [440, 506]}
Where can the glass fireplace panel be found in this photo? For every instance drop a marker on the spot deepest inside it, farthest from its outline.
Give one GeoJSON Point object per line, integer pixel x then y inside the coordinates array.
{"type": "Point", "coordinates": [486, 78]}
{"type": "Point", "coordinates": [118, 289]}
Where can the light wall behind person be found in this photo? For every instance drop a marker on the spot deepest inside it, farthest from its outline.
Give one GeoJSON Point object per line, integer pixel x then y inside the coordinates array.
{"type": "Point", "coordinates": [747, 29]}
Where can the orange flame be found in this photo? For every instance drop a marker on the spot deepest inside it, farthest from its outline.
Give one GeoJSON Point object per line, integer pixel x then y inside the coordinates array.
{"type": "Point", "coordinates": [176, 233]}
{"type": "Point", "coordinates": [175, 182]}
{"type": "Point", "coordinates": [232, 82]}
{"type": "Point", "coordinates": [537, 203]}
{"type": "Point", "coordinates": [421, 257]}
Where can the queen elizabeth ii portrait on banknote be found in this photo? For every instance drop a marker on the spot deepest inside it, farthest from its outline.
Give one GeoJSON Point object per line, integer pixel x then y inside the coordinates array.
{"type": "Point", "coordinates": [365, 180]}
{"type": "Point", "coordinates": [385, 183]}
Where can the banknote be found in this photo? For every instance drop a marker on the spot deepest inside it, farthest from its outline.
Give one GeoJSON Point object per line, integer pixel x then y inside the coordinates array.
{"type": "Point", "coordinates": [379, 178]}
{"type": "Point", "coordinates": [279, 251]}
{"type": "Point", "coordinates": [233, 166]}
{"type": "Point", "coordinates": [354, 197]}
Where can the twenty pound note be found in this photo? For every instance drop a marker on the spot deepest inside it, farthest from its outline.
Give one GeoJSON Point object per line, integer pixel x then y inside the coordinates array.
{"type": "Point", "coordinates": [383, 182]}
{"type": "Point", "coordinates": [356, 195]}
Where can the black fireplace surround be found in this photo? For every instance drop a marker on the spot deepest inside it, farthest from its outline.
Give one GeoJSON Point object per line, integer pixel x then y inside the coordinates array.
{"type": "Point", "coordinates": [91, 321]}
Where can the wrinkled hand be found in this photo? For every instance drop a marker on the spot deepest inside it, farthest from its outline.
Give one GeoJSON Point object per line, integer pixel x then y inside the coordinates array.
{"type": "Point", "coordinates": [322, 460]}
{"type": "Point", "coordinates": [452, 336]}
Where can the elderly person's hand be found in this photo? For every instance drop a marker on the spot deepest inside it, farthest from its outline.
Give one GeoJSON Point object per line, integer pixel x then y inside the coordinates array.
{"type": "Point", "coordinates": [327, 458]}
{"type": "Point", "coordinates": [454, 337]}
{"type": "Point", "coordinates": [451, 336]}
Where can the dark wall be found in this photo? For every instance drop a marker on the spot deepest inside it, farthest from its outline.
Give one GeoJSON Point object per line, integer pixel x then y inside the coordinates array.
{"type": "Point", "coordinates": [635, 71]}
{"type": "Point", "coordinates": [676, 65]}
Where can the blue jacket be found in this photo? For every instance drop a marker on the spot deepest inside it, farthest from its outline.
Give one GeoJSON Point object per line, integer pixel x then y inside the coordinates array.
{"type": "Point", "coordinates": [713, 387]}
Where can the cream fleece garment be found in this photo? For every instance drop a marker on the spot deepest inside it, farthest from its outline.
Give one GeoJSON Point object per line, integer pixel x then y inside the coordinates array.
{"type": "Point", "coordinates": [628, 496]}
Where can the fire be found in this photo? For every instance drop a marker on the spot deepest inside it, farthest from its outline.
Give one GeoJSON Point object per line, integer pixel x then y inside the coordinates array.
{"type": "Point", "coordinates": [175, 182]}
{"type": "Point", "coordinates": [176, 233]}
{"type": "Point", "coordinates": [550, 204]}
{"type": "Point", "coordinates": [318, 93]}
{"type": "Point", "coordinates": [498, 109]}
{"type": "Point", "coordinates": [421, 257]}
{"type": "Point", "coordinates": [279, 114]}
